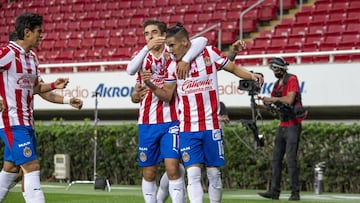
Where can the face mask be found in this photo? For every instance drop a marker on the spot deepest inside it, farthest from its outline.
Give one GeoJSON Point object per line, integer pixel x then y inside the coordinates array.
{"type": "Point", "coordinates": [279, 75]}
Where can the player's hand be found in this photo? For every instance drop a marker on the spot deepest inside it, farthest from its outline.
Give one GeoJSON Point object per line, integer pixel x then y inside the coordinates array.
{"type": "Point", "coordinates": [183, 70]}
{"type": "Point", "coordinates": [237, 46]}
{"type": "Point", "coordinates": [155, 42]}
{"type": "Point", "coordinates": [76, 103]}
{"type": "Point", "coordinates": [61, 83]}
{"type": "Point", "coordinates": [257, 77]}
{"type": "Point", "coordinates": [146, 76]}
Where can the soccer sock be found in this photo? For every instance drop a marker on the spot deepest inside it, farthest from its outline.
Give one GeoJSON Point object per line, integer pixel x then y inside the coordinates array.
{"type": "Point", "coordinates": [149, 191]}
{"type": "Point", "coordinates": [215, 185]}
{"type": "Point", "coordinates": [32, 189]}
{"type": "Point", "coordinates": [6, 180]}
{"type": "Point", "coordinates": [177, 190]}
{"type": "Point", "coordinates": [194, 187]}
{"type": "Point", "coordinates": [163, 191]}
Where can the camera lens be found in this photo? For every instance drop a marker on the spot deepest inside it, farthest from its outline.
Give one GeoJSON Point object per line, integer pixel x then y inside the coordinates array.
{"type": "Point", "coordinates": [246, 84]}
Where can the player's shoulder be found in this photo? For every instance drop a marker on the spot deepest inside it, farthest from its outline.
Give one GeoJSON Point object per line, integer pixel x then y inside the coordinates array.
{"type": "Point", "coordinates": [4, 50]}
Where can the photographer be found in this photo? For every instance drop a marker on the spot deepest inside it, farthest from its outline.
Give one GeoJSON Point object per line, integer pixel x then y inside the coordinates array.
{"type": "Point", "coordinates": [286, 100]}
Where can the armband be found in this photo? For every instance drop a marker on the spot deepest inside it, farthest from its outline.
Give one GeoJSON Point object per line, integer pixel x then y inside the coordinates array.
{"type": "Point", "coordinates": [52, 85]}
{"type": "Point", "coordinates": [66, 100]}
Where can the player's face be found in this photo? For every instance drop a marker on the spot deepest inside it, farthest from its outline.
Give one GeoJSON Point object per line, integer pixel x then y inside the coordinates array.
{"type": "Point", "coordinates": [34, 37]}
{"type": "Point", "coordinates": [150, 32]}
{"type": "Point", "coordinates": [177, 48]}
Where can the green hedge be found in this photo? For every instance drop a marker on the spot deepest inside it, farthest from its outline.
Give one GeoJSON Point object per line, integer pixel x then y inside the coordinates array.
{"type": "Point", "coordinates": [248, 168]}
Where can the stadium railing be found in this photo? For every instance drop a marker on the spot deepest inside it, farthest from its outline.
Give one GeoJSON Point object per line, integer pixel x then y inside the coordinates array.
{"type": "Point", "coordinates": [264, 58]}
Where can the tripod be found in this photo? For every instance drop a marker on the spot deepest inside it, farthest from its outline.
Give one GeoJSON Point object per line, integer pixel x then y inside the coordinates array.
{"type": "Point", "coordinates": [251, 124]}
{"type": "Point", "coordinates": [96, 179]}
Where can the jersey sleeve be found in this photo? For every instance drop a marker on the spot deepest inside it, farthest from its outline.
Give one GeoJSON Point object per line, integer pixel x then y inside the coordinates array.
{"type": "Point", "coordinates": [219, 58]}
{"type": "Point", "coordinates": [5, 58]}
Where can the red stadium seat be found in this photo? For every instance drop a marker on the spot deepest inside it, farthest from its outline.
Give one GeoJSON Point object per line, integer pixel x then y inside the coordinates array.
{"type": "Point", "coordinates": [190, 18]}
{"type": "Point", "coordinates": [303, 18]}
{"type": "Point", "coordinates": [89, 7]}
{"type": "Point", "coordinates": [137, 21]}
{"type": "Point", "coordinates": [205, 17]}
{"type": "Point", "coordinates": [261, 42]}
{"type": "Point", "coordinates": [249, 25]}
{"type": "Point", "coordinates": [60, 44]}
{"type": "Point", "coordinates": [209, 7]}
{"type": "Point", "coordinates": [80, 54]}
{"type": "Point", "coordinates": [76, 8]}
{"type": "Point", "coordinates": [353, 27]}
{"type": "Point", "coordinates": [219, 16]}
{"type": "Point", "coordinates": [86, 25]}
{"type": "Point", "coordinates": [66, 8]}
{"type": "Point", "coordinates": [74, 43]}
{"type": "Point", "coordinates": [105, 14]}
{"type": "Point", "coordinates": [223, 6]}
{"type": "Point", "coordinates": [87, 43]}
{"type": "Point", "coordinates": [228, 37]}
{"type": "Point", "coordinates": [92, 15]}
{"type": "Point", "coordinates": [80, 15]}
{"type": "Point", "coordinates": [101, 42]}
{"type": "Point", "coordinates": [335, 28]}
{"type": "Point", "coordinates": [149, 3]}
{"type": "Point", "coordinates": [323, 6]}
{"type": "Point", "coordinates": [123, 5]}
{"type": "Point", "coordinates": [101, 6]}
{"type": "Point", "coordinates": [66, 55]}
{"type": "Point", "coordinates": [296, 40]}
{"type": "Point", "coordinates": [278, 41]}
{"type": "Point", "coordinates": [98, 24]}
{"type": "Point", "coordinates": [299, 29]}
{"type": "Point", "coordinates": [319, 17]}
{"type": "Point", "coordinates": [317, 28]}
{"type": "Point", "coordinates": [314, 39]}
{"type": "Point", "coordinates": [74, 26]}
{"type": "Point", "coordinates": [287, 4]}
{"type": "Point", "coordinates": [267, 13]}
{"type": "Point", "coordinates": [47, 44]}
{"type": "Point", "coordinates": [282, 30]}
{"type": "Point", "coordinates": [176, 18]}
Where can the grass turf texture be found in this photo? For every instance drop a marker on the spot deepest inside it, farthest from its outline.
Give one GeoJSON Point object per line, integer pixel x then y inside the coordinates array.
{"type": "Point", "coordinates": [85, 193]}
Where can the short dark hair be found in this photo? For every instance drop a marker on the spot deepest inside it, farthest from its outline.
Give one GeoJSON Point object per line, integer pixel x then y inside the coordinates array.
{"type": "Point", "coordinates": [27, 20]}
{"type": "Point", "coordinates": [161, 25]}
{"type": "Point", "coordinates": [13, 36]}
{"type": "Point", "coordinates": [178, 31]}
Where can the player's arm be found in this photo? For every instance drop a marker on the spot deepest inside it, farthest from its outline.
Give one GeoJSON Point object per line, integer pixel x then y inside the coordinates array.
{"type": "Point", "coordinates": [235, 47]}
{"type": "Point", "coordinates": [197, 46]}
{"type": "Point", "coordinates": [241, 72]}
{"type": "Point", "coordinates": [165, 93]}
{"type": "Point", "coordinates": [139, 93]}
{"type": "Point", "coordinates": [60, 83]}
{"type": "Point", "coordinates": [136, 62]}
{"type": "Point", "coordinates": [58, 99]}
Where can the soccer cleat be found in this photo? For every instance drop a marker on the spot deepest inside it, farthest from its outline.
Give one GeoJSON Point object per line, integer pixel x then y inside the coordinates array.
{"type": "Point", "coordinates": [269, 195]}
{"type": "Point", "coordinates": [295, 196]}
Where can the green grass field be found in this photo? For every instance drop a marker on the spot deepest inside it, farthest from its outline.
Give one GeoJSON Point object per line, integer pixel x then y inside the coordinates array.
{"type": "Point", "coordinates": [85, 193]}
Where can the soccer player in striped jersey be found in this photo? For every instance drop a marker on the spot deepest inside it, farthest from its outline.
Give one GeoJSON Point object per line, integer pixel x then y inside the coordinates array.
{"type": "Point", "coordinates": [19, 78]}
{"type": "Point", "coordinates": [50, 96]}
{"type": "Point", "coordinates": [198, 108]}
{"type": "Point", "coordinates": [158, 122]}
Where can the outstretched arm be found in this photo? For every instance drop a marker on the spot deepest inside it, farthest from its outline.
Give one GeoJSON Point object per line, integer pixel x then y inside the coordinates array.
{"type": "Point", "coordinates": [135, 63]}
{"type": "Point", "coordinates": [58, 99]}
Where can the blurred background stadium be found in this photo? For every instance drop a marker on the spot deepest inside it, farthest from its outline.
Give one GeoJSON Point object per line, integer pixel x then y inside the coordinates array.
{"type": "Point", "coordinates": [91, 41]}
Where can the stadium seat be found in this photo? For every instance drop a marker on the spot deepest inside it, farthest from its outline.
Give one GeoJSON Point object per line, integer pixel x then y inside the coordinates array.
{"type": "Point", "coordinates": [137, 21]}
{"type": "Point", "coordinates": [47, 45]}
{"type": "Point", "coordinates": [299, 29]}
{"type": "Point", "coordinates": [74, 43]}
{"type": "Point", "coordinates": [176, 18]}
{"type": "Point", "coordinates": [343, 58]}
{"type": "Point", "coordinates": [123, 5]}
{"type": "Point", "coordinates": [228, 37]}
{"type": "Point", "coordinates": [92, 15]}
{"type": "Point", "coordinates": [80, 54]}
{"type": "Point", "coordinates": [218, 16]}
{"type": "Point", "coordinates": [317, 28]}
{"type": "Point", "coordinates": [87, 43]}
{"type": "Point", "coordinates": [278, 41]}
{"type": "Point", "coordinates": [105, 14]}
{"type": "Point", "coordinates": [60, 44]}
{"type": "Point", "coordinates": [190, 18]}
{"type": "Point", "coordinates": [98, 24]}
{"type": "Point", "coordinates": [66, 55]}
{"type": "Point", "coordinates": [323, 6]}
{"type": "Point", "coordinates": [249, 25]}
{"type": "Point", "coordinates": [149, 3]}
{"type": "Point", "coordinates": [223, 5]}
{"type": "Point", "coordinates": [267, 13]}
{"type": "Point", "coordinates": [233, 15]}
{"type": "Point", "coordinates": [282, 30]}
{"type": "Point", "coordinates": [101, 42]}
{"type": "Point", "coordinates": [287, 4]}
{"type": "Point", "coordinates": [66, 8]}
{"type": "Point", "coordinates": [111, 23]}
{"type": "Point", "coordinates": [89, 7]}
{"type": "Point", "coordinates": [353, 27]}
{"type": "Point", "coordinates": [314, 39]}
{"type": "Point", "coordinates": [76, 8]}
{"type": "Point", "coordinates": [74, 26]}
{"type": "Point", "coordinates": [54, 9]}
{"type": "Point", "coordinates": [209, 7]}
{"type": "Point", "coordinates": [261, 42]}
{"type": "Point", "coordinates": [296, 40]}
{"type": "Point", "coordinates": [335, 28]}
{"type": "Point", "coordinates": [101, 6]}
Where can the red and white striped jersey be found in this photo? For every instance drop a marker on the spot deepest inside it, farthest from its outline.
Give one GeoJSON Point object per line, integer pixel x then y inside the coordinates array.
{"type": "Point", "coordinates": [198, 94]}
{"type": "Point", "coordinates": [18, 72]}
{"type": "Point", "coordinates": [153, 110]}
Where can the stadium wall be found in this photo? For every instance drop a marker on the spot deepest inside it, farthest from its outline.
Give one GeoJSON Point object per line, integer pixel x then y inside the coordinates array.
{"type": "Point", "coordinates": [328, 90]}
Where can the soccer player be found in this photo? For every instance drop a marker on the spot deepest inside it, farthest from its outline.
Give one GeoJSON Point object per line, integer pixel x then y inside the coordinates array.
{"type": "Point", "coordinates": [198, 108]}
{"type": "Point", "coordinates": [19, 81]}
{"type": "Point", "coordinates": [158, 122]}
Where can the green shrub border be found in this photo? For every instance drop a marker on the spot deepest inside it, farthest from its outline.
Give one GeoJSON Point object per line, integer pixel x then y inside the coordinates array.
{"type": "Point", "coordinates": [247, 168]}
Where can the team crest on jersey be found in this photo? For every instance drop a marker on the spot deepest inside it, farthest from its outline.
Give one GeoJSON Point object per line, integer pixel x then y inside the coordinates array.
{"type": "Point", "coordinates": [185, 157]}
{"type": "Point", "coordinates": [167, 55]}
{"type": "Point", "coordinates": [27, 152]}
{"type": "Point", "coordinates": [143, 156]}
{"type": "Point", "coordinates": [207, 61]}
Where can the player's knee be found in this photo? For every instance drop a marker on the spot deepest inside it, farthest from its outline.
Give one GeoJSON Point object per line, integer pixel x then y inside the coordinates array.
{"type": "Point", "coordinates": [194, 175]}
{"type": "Point", "coordinates": [214, 177]}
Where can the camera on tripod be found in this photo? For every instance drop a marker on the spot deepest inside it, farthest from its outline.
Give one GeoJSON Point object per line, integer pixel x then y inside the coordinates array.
{"type": "Point", "coordinates": [253, 87]}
